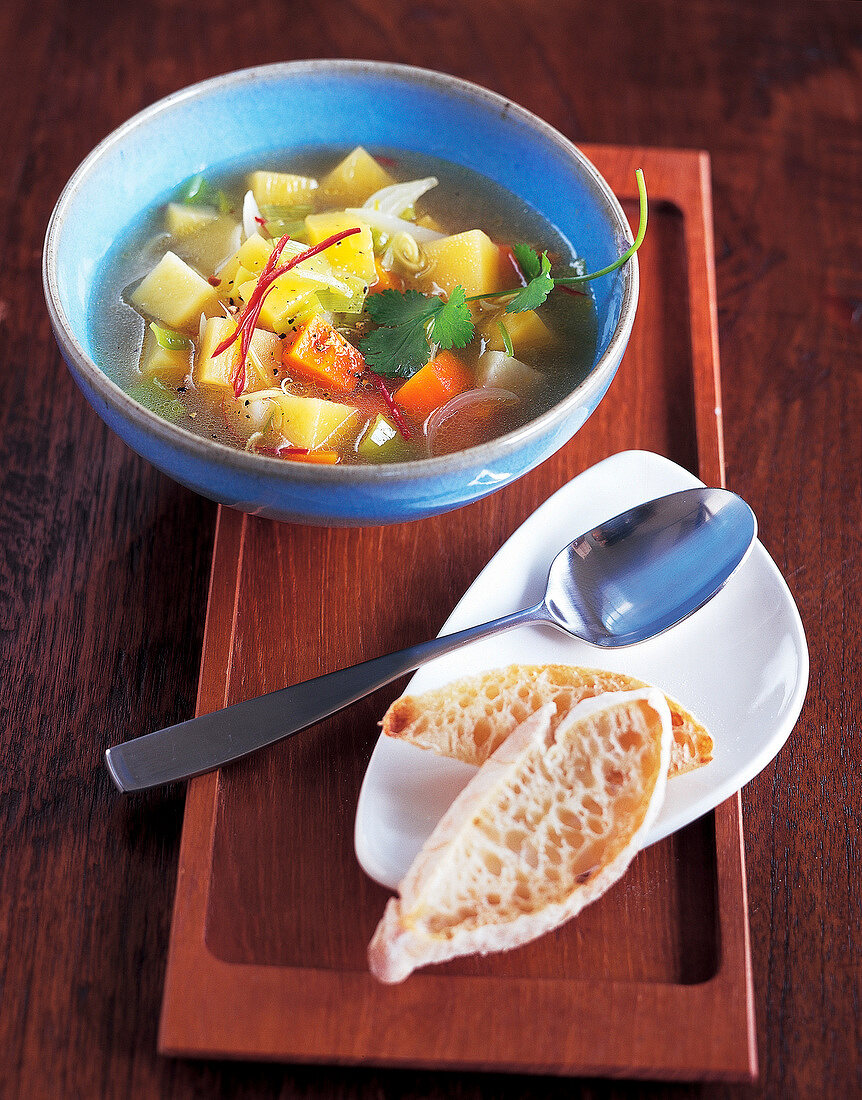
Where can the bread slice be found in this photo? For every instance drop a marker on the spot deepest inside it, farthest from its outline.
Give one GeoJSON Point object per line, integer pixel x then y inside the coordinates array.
{"type": "Point", "coordinates": [470, 718]}
{"type": "Point", "coordinates": [549, 822]}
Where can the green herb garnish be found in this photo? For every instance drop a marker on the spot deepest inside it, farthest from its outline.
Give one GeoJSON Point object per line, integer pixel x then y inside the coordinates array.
{"type": "Point", "coordinates": [410, 322]}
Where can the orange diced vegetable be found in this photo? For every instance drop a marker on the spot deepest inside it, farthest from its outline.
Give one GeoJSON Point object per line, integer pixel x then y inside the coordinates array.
{"type": "Point", "coordinates": [320, 354]}
{"type": "Point", "coordinates": [444, 377]}
{"type": "Point", "coordinates": [386, 280]}
{"type": "Point", "coordinates": [323, 458]}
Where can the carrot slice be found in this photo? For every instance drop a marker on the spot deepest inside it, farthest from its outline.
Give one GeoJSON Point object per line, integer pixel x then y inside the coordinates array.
{"type": "Point", "coordinates": [324, 458]}
{"type": "Point", "coordinates": [321, 355]}
{"type": "Point", "coordinates": [444, 377]}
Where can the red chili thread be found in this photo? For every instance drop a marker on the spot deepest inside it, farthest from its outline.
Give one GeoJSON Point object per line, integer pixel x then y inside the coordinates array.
{"type": "Point", "coordinates": [249, 317]}
{"type": "Point", "coordinates": [397, 416]}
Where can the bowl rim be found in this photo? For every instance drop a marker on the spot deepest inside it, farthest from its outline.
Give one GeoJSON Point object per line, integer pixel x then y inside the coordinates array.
{"type": "Point", "coordinates": [199, 448]}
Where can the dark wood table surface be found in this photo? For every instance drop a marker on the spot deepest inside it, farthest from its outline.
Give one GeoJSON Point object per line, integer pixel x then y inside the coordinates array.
{"type": "Point", "coordinates": [104, 562]}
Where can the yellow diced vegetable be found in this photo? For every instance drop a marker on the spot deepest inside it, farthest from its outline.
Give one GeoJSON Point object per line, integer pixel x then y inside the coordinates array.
{"type": "Point", "coordinates": [168, 366]}
{"type": "Point", "coordinates": [311, 422]}
{"type": "Point", "coordinates": [174, 293]}
{"type": "Point", "coordinates": [282, 189]}
{"type": "Point", "coordinates": [263, 365]}
{"type": "Point", "coordinates": [216, 370]}
{"type": "Point", "coordinates": [250, 258]}
{"type": "Point", "coordinates": [527, 331]}
{"type": "Point", "coordinates": [290, 301]}
{"type": "Point", "coordinates": [352, 256]}
{"type": "Point", "coordinates": [471, 259]}
{"type": "Point", "coordinates": [182, 220]}
{"type": "Point", "coordinates": [354, 179]}
{"type": "Point", "coordinates": [496, 368]}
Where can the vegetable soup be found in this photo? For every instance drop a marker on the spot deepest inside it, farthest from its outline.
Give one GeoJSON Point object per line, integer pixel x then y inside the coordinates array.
{"type": "Point", "coordinates": [336, 308]}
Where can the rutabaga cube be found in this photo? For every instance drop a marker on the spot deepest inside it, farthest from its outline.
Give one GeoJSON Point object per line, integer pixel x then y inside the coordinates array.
{"type": "Point", "coordinates": [174, 293]}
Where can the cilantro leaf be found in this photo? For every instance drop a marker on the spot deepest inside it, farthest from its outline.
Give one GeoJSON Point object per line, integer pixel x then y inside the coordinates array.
{"type": "Point", "coordinates": [453, 323]}
{"type": "Point", "coordinates": [528, 261]}
{"type": "Point", "coordinates": [536, 291]}
{"type": "Point", "coordinates": [398, 351]}
{"type": "Point", "coordinates": [394, 307]}
{"type": "Point", "coordinates": [409, 322]}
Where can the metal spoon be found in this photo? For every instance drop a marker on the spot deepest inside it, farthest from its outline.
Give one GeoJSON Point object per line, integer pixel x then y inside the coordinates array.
{"type": "Point", "coordinates": [627, 580]}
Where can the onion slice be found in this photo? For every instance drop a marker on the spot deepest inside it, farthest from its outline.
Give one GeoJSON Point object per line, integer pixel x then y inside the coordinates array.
{"type": "Point", "coordinates": [390, 224]}
{"type": "Point", "coordinates": [398, 197]}
{"type": "Point", "coordinates": [250, 214]}
{"type": "Point", "coordinates": [459, 403]}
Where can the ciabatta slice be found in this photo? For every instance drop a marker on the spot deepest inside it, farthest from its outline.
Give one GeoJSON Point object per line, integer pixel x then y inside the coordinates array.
{"type": "Point", "coordinates": [470, 718]}
{"type": "Point", "coordinates": [549, 822]}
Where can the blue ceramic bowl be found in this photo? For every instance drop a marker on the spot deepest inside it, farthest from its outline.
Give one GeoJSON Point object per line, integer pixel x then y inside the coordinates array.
{"type": "Point", "coordinates": [345, 103]}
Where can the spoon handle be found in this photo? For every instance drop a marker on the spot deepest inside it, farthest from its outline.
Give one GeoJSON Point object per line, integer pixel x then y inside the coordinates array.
{"type": "Point", "coordinates": [204, 743]}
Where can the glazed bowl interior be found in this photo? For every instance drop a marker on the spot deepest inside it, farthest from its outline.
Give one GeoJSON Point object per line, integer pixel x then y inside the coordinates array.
{"type": "Point", "coordinates": [307, 105]}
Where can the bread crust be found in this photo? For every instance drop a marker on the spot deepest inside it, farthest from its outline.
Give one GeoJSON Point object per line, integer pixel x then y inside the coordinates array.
{"type": "Point", "coordinates": [471, 717]}
{"type": "Point", "coordinates": [422, 925]}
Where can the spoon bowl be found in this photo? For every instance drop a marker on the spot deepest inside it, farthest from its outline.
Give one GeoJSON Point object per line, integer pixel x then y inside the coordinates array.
{"type": "Point", "coordinates": [629, 579]}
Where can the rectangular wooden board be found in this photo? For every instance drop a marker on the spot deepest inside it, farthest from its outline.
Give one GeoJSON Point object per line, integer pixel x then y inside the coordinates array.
{"type": "Point", "coordinates": [273, 914]}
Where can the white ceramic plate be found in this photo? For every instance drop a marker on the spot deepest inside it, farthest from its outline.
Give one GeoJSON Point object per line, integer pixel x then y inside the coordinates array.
{"type": "Point", "coordinates": [740, 664]}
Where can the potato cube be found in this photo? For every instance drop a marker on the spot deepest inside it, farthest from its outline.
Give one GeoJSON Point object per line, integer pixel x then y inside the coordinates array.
{"type": "Point", "coordinates": [290, 301]}
{"type": "Point", "coordinates": [263, 366]}
{"type": "Point", "coordinates": [496, 368]}
{"type": "Point", "coordinates": [174, 293]}
{"type": "Point", "coordinates": [282, 189]}
{"type": "Point", "coordinates": [310, 421]}
{"type": "Point", "coordinates": [355, 179]}
{"type": "Point", "coordinates": [471, 259]}
{"type": "Point", "coordinates": [352, 256]}
{"type": "Point", "coordinates": [182, 220]}
{"type": "Point", "coordinates": [215, 370]}
{"type": "Point", "coordinates": [168, 366]}
{"type": "Point", "coordinates": [527, 331]}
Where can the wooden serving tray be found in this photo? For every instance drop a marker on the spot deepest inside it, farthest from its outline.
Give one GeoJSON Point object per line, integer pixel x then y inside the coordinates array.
{"type": "Point", "coordinates": [273, 914]}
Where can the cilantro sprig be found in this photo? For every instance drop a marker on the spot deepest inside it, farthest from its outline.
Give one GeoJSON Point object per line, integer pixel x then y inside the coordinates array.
{"type": "Point", "coordinates": [412, 324]}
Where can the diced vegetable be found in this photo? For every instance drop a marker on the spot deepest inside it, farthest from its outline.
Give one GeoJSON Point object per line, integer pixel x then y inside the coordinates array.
{"type": "Point", "coordinates": [263, 362]}
{"type": "Point", "coordinates": [181, 220]}
{"type": "Point", "coordinates": [311, 422]}
{"type": "Point", "coordinates": [470, 259]}
{"type": "Point", "coordinates": [169, 365]}
{"type": "Point", "coordinates": [527, 332]}
{"type": "Point", "coordinates": [499, 370]}
{"type": "Point", "coordinates": [299, 454]}
{"type": "Point", "coordinates": [264, 366]}
{"type": "Point", "coordinates": [432, 386]}
{"type": "Point", "coordinates": [322, 355]}
{"type": "Point", "coordinates": [174, 293]}
{"type": "Point", "coordinates": [352, 256]}
{"type": "Point", "coordinates": [216, 370]}
{"type": "Point", "coordinates": [282, 189]}
{"type": "Point", "coordinates": [291, 301]}
{"type": "Point", "coordinates": [382, 442]}
{"type": "Point", "coordinates": [385, 280]}
{"type": "Point", "coordinates": [353, 179]}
